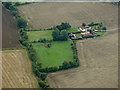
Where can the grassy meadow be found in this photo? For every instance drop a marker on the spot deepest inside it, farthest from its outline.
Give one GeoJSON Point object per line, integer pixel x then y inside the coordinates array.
{"type": "Point", "coordinates": [59, 52]}
{"type": "Point", "coordinates": [101, 33]}
{"type": "Point", "coordinates": [72, 30]}
{"type": "Point", "coordinates": [36, 35]}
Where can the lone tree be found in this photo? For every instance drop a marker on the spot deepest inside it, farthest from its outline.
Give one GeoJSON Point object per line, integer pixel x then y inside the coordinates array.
{"type": "Point", "coordinates": [104, 28]}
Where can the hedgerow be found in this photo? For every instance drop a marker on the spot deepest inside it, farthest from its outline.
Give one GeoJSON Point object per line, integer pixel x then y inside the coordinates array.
{"type": "Point", "coordinates": [40, 73]}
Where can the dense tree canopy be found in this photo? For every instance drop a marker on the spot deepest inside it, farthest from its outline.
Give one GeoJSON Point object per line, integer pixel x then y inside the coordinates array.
{"type": "Point", "coordinates": [63, 26]}
{"type": "Point", "coordinates": [21, 23]}
{"type": "Point", "coordinates": [7, 4]}
{"type": "Point", "coordinates": [55, 35]}
{"type": "Point", "coordinates": [60, 35]}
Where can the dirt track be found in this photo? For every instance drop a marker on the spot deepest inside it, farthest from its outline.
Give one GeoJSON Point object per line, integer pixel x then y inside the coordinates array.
{"type": "Point", "coordinates": [16, 70]}
{"type": "Point", "coordinates": [99, 65]}
{"type": "Point", "coordinates": [45, 15]}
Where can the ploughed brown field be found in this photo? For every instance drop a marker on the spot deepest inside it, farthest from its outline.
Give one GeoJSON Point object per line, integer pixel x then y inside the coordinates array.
{"type": "Point", "coordinates": [98, 57]}
{"type": "Point", "coordinates": [16, 70]}
{"type": "Point", "coordinates": [48, 14]}
{"type": "Point", "coordinates": [98, 65]}
{"type": "Point", "coordinates": [10, 36]}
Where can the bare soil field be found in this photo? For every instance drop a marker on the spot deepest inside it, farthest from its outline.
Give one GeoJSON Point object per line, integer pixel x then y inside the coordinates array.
{"type": "Point", "coordinates": [98, 65]}
{"type": "Point", "coordinates": [10, 36]}
{"type": "Point", "coordinates": [0, 70]}
{"type": "Point", "coordinates": [47, 14]}
{"type": "Point", "coordinates": [16, 70]}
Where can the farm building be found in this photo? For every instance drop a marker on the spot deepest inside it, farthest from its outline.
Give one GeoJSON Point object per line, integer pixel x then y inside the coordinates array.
{"type": "Point", "coordinates": [77, 38]}
{"type": "Point", "coordinates": [83, 28]}
{"type": "Point", "coordinates": [90, 35]}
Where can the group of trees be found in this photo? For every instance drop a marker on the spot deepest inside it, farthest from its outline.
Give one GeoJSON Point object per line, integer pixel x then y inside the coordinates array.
{"type": "Point", "coordinates": [99, 26]}
{"type": "Point", "coordinates": [60, 32]}
{"type": "Point", "coordinates": [60, 35]}
{"type": "Point", "coordinates": [21, 23]}
{"type": "Point", "coordinates": [63, 26]}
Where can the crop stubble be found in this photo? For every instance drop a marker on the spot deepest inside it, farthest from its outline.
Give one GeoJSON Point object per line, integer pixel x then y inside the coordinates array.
{"type": "Point", "coordinates": [45, 15]}
{"type": "Point", "coordinates": [16, 70]}
{"type": "Point", "coordinates": [98, 65]}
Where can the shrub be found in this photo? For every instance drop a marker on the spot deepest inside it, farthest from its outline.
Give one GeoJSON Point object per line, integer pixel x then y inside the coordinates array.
{"type": "Point", "coordinates": [104, 28]}
{"type": "Point", "coordinates": [43, 76]}
{"type": "Point", "coordinates": [21, 23]}
{"type": "Point", "coordinates": [43, 40]}
{"type": "Point", "coordinates": [14, 13]}
{"type": "Point", "coordinates": [83, 24]}
{"type": "Point", "coordinates": [43, 84]}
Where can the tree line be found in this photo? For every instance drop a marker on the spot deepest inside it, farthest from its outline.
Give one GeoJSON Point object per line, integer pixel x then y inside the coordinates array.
{"type": "Point", "coordinates": [41, 73]}
{"type": "Point", "coordinates": [22, 24]}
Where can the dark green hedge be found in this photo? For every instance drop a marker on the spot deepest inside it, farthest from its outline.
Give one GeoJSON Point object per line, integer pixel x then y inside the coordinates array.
{"type": "Point", "coordinates": [40, 73]}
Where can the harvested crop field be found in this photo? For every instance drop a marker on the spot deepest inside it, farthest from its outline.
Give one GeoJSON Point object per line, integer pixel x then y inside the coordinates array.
{"type": "Point", "coordinates": [16, 70]}
{"type": "Point", "coordinates": [98, 65]}
{"type": "Point", "coordinates": [47, 14]}
{"type": "Point", "coordinates": [10, 36]}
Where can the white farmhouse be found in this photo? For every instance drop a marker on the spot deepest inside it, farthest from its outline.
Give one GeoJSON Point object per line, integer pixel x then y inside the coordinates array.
{"type": "Point", "coordinates": [83, 29]}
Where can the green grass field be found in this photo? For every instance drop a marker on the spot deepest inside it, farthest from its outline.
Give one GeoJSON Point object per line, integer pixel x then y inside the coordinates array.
{"type": "Point", "coordinates": [97, 27]}
{"type": "Point", "coordinates": [78, 35]}
{"type": "Point", "coordinates": [72, 30]}
{"type": "Point", "coordinates": [101, 33]}
{"type": "Point", "coordinates": [36, 35]}
{"type": "Point", "coordinates": [59, 52]}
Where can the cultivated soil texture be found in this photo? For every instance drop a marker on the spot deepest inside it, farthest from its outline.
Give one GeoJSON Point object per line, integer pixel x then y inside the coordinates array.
{"type": "Point", "coordinates": [16, 70]}
{"type": "Point", "coordinates": [47, 14]}
{"type": "Point", "coordinates": [98, 65]}
{"type": "Point", "coordinates": [10, 36]}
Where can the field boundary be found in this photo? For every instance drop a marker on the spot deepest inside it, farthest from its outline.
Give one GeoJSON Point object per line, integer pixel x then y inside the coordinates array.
{"type": "Point", "coordinates": [39, 72]}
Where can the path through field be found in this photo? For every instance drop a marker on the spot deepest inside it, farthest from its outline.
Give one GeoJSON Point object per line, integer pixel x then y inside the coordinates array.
{"type": "Point", "coordinates": [98, 65]}
{"type": "Point", "coordinates": [16, 70]}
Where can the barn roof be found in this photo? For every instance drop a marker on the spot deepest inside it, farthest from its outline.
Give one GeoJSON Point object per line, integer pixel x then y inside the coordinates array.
{"type": "Point", "coordinates": [82, 27]}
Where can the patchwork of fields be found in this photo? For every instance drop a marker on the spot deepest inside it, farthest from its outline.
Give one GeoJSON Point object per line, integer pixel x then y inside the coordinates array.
{"type": "Point", "coordinates": [16, 70]}
{"type": "Point", "coordinates": [98, 65]}
{"type": "Point", "coordinates": [98, 57]}
{"type": "Point", "coordinates": [45, 15]}
{"type": "Point", "coordinates": [55, 55]}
